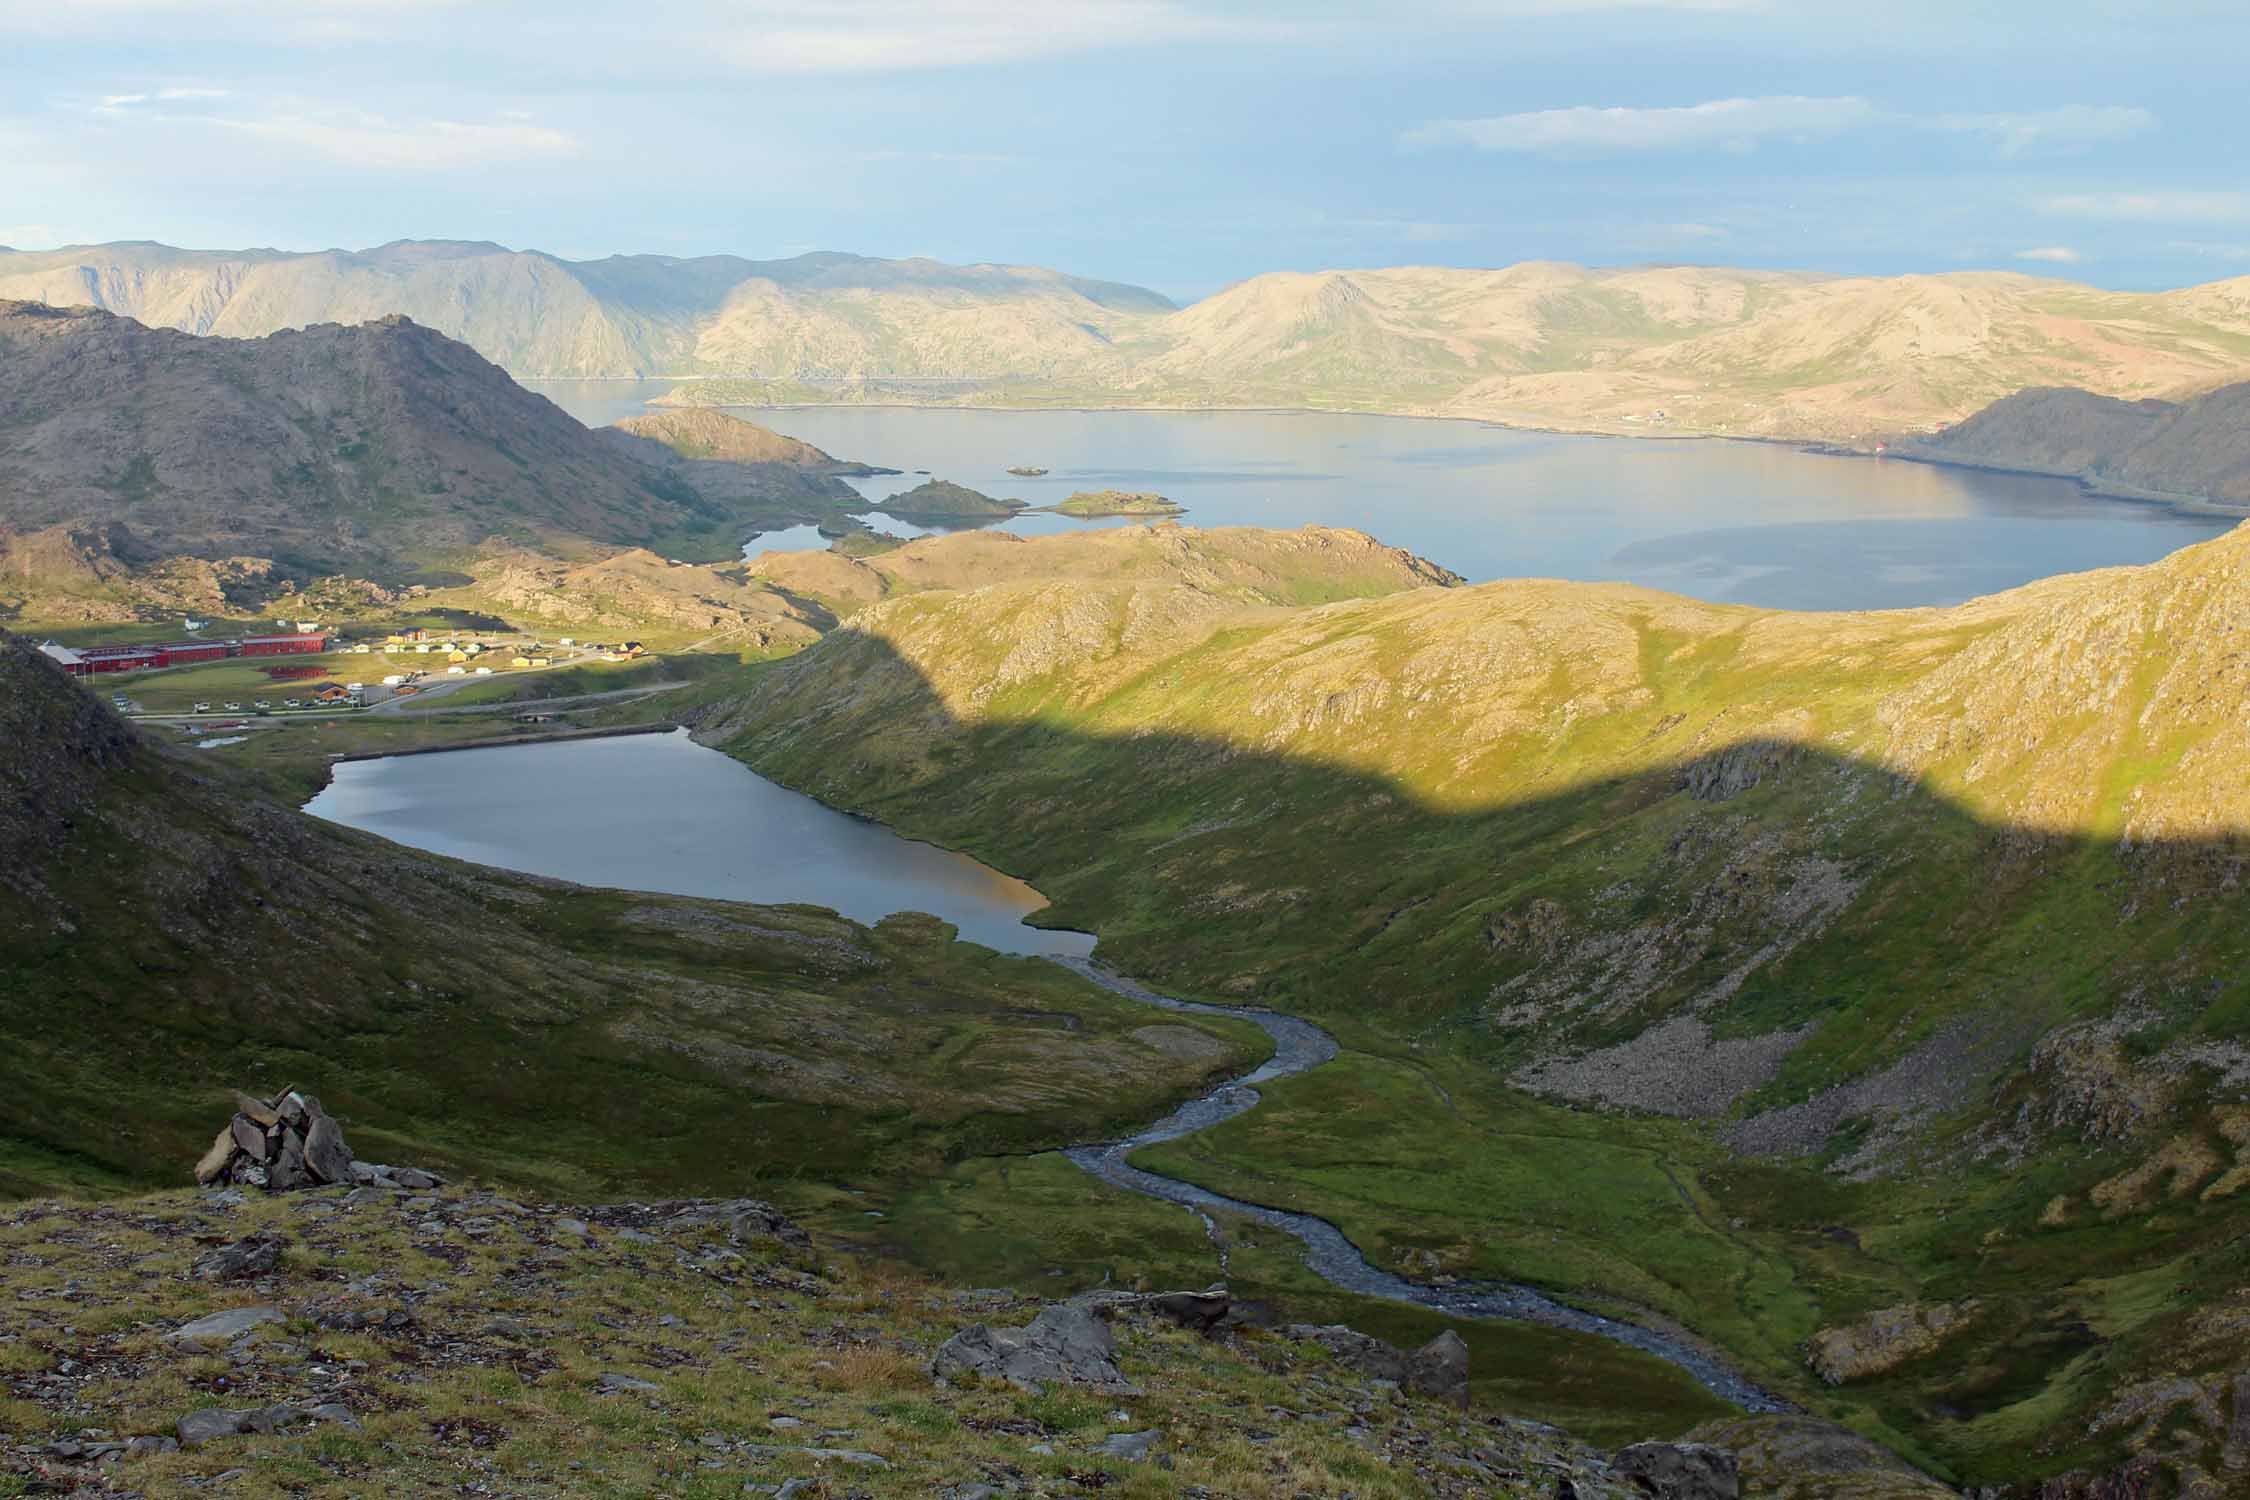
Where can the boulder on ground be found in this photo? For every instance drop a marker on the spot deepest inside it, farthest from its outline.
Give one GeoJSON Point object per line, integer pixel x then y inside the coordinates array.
{"type": "Point", "coordinates": [1679, 1471]}
{"type": "Point", "coordinates": [222, 1327]}
{"type": "Point", "coordinates": [1439, 1369]}
{"type": "Point", "coordinates": [200, 1427]}
{"type": "Point", "coordinates": [253, 1256]}
{"type": "Point", "coordinates": [1063, 1345]}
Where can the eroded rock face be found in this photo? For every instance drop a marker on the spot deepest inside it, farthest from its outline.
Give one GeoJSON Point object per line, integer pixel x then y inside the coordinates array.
{"type": "Point", "coordinates": [1884, 1340]}
{"type": "Point", "coordinates": [1063, 1345]}
{"type": "Point", "coordinates": [1680, 1471]}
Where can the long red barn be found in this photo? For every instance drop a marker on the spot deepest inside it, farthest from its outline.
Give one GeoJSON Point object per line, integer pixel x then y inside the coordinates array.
{"type": "Point", "coordinates": [86, 661]}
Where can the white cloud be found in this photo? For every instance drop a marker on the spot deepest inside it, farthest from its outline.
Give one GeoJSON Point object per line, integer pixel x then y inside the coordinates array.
{"type": "Point", "coordinates": [2060, 255]}
{"type": "Point", "coordinates": [876, 36]}
{"type": "Point", "coordinates": [2203, 248]}
{"type": "Point", "coordinates": [362, 140]}
{"type": "Point", "coordinates": [2143, 208]}
{"type": "Point", "coordinates": [2072, 125]}
{"type": "Point", "coordinates": [1737, 124]}
{"type": "Point", "coordinates": [1731, 124]}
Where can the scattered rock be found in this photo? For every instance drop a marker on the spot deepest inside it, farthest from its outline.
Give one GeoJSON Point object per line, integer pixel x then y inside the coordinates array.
{"type": "Point", "coordinates": [1680, 1471]}
{"type": "Point", "coordinates": [252, 1256]}
{"type": "Point", "coordinates": [406, 1179]}
{"type": "Point", "coordinates": [212, 1423]}
{"type": "Point", "coordinates": [1062, 1345]}
{"type": "Point", "coordinates": [614, 1383]}
{"type": "Point", "coordinates": [852, 1456]}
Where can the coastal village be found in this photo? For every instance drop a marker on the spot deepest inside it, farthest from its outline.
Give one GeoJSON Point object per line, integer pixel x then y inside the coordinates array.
{"type": "Point", "coordinates": [296, 666]}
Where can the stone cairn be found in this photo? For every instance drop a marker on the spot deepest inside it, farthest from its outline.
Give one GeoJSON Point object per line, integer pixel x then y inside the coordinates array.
{"type": "Point", "coordinates": [290, 1142]}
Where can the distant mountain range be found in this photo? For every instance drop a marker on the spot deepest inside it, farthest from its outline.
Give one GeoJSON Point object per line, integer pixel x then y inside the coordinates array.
{"type": "Point", "coordinates": [1653, 349]}
{"type": "Point", "coordinates": [2195, 448]}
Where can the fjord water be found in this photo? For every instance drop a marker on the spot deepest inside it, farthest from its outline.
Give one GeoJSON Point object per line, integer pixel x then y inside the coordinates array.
{"type": "Point", "coordinates": [662, 813]}
{"type": "Point", "coordinates": [1749, 523]}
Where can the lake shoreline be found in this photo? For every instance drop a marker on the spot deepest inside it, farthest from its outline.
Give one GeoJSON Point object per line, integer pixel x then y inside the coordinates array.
{"type": "Point", "coordinates": [2190, 504]}
{"type": "Point", "coordinates": [504, 742]}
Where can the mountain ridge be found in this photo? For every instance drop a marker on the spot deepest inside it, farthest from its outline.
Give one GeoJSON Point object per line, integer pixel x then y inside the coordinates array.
{"type": "Point", "coordinates": [1643, 349]}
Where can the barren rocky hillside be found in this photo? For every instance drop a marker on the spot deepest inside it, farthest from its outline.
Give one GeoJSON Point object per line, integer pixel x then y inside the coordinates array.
{"type": "Point", "coordinates": [323, 448]}
{"type": "Point", "coordinates": [2198, 447]}
{"type": "Point", "coordinates": [143, 469]}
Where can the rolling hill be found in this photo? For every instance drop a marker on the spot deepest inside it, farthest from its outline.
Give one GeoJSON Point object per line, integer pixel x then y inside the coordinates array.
{"type": "Point", "coordinates": [143, 468]}
{"type": "Point", "coordinates": [1877, 961]}
{"type": "Point", "coordinates": [1662, 349]}
{"type": "Point", "coordinates": [2199, 447]}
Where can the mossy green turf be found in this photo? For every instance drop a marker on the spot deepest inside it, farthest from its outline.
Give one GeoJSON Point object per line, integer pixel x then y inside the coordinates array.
{"type": "Point", "coordinates": [1388, 880]}
{"type": "Point", "coordinates": [494, 1383]}
{"type": "Point", "coordinates": [1042, 1226]}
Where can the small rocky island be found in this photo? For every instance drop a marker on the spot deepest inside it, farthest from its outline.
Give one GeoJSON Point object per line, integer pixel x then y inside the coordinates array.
{"type": "Point", "coordinates": [1026, 471]}
{"type": "Point", "coordinates": [943, 499]}
{"type": "Point", "coordinates": [1087, 504]}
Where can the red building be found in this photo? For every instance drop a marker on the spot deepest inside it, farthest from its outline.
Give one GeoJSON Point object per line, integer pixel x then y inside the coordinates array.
{"type": "Point", "coordinates": [181, 653]}
{"type": "Point", "coordinates": [281, 645]}
{"type": "Point", "coordinates": [88, 660]}
{"type": "Point", "coordinates": [119, 658]}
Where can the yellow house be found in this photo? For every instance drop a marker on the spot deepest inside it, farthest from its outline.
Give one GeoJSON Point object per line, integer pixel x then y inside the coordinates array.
{"type": "Point", "coordinates": [456, 656]}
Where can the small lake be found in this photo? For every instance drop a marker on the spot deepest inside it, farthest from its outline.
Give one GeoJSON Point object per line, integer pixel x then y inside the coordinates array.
{"type": "Point", "coordinates": [1749, 523]}
{"type": "Point", "coordinates": [657, 812]}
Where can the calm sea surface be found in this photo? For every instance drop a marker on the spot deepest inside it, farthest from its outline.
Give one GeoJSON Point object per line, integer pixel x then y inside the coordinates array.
{"type": "Point", "coordinates": [661, 813]}
{"type": "Point", "coordinates": [1737, 522]}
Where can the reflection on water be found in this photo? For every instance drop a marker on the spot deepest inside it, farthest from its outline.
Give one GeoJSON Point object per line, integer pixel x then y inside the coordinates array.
{"type": "Point", "coordinates": [1745, 522]}
{"type": "Point", "coordinates": [787, 539]}
{"type": "Point", "coordinates": [662, 813]}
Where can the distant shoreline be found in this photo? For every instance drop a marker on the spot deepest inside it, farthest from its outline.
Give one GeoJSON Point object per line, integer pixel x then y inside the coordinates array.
{"type": "Point", "coordinates": [2195, 505]}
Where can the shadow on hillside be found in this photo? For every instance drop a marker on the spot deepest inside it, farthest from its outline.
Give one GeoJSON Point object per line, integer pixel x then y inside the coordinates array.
{"type": "Point", "coordinates": [1757, 887]}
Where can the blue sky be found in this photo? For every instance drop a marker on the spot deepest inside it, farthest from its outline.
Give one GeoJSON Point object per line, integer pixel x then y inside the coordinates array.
{"type": "Point", "coordinates": [1176, 143]}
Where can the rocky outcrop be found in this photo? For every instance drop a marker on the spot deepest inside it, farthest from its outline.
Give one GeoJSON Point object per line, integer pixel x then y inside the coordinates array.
{"type": "Point", "coordinates": [1680, 1471]}
{"type": "Point", "coordinates": [1063, 1345]}
{"type": "Point", "coordinates": [1439, 1369]}
{"type": "Point", "coordinates": [1884, 1340]}
{"type": "Point", "coordinates": [1791, 1457]}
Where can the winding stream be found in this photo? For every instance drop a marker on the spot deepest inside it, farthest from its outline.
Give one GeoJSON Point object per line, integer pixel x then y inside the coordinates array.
{"type": "Point", "coordinates": [1299, 1046]}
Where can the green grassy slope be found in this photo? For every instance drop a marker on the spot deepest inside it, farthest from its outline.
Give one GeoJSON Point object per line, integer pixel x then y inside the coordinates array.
{"type": "Point", "coordinates": [166, 934]}
{"type": "Point", "coordinates": [1928, 911]}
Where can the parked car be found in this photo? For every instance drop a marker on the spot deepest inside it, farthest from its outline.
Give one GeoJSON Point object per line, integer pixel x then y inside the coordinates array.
{"type": "Point", "coordinates": [234, 708]}
{"type": "Point", "coordinates": [201, 708]}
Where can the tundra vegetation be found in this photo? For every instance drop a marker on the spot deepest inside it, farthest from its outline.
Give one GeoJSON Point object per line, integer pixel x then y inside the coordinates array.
{"type": "Point", "coordinates": [1768, 973]}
